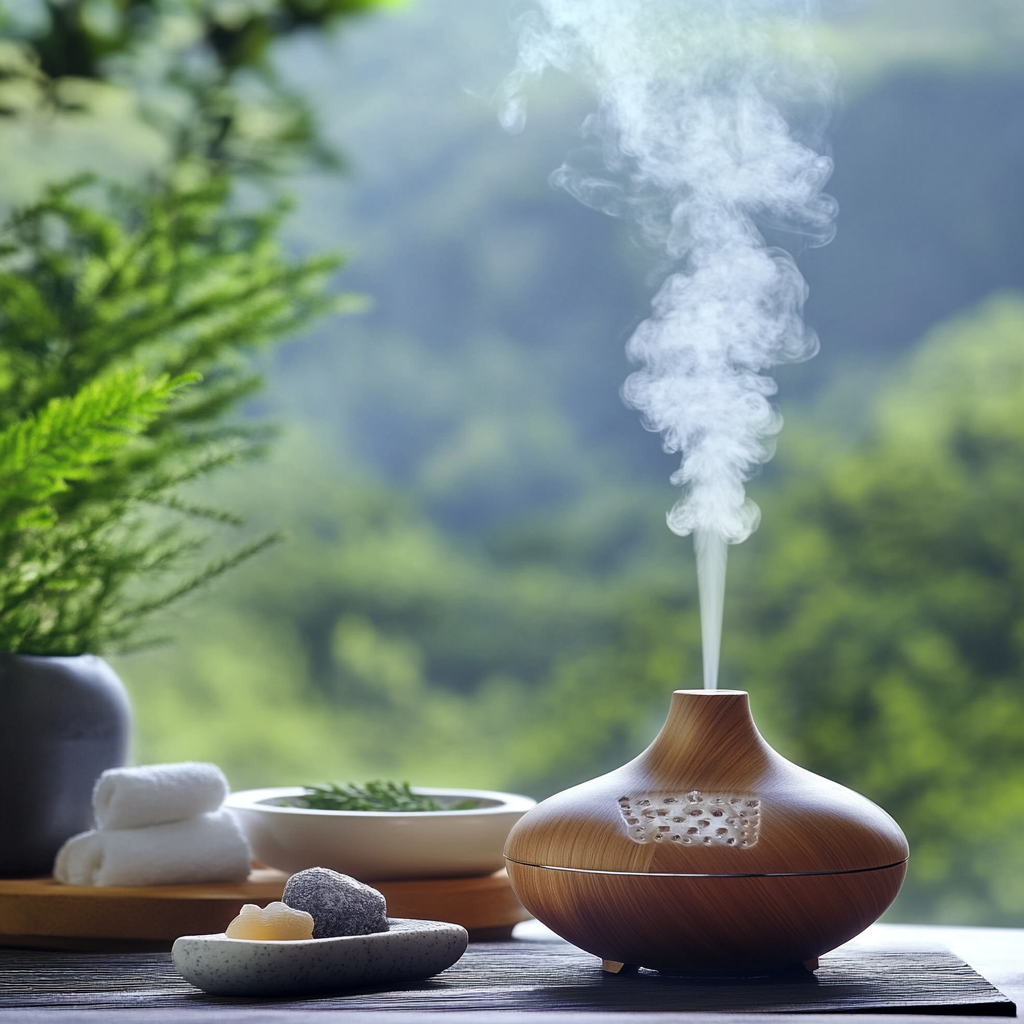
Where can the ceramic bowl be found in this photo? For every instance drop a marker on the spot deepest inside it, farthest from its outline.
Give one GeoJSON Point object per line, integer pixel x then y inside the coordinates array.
{"type": "Point", "coordinates": [380, 845]}
{"type": "Point", "coordinates": [408, 951]}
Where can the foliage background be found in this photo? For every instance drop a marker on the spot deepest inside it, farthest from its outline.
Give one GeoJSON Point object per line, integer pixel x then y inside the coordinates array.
{"type": "Point", "coordinates": [479, 588]}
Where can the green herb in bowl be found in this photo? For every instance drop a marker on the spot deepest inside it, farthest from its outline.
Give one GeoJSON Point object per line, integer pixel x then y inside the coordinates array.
{"type": "Point", "coordinates": [373, 796]}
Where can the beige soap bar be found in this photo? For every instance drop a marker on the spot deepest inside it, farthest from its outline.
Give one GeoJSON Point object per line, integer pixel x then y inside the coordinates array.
{"type": "Point", "coordinates": [276, 921]}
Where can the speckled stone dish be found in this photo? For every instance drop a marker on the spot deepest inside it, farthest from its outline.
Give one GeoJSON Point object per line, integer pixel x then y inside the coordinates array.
{"type": "Point", "coordinates": [244, 967]}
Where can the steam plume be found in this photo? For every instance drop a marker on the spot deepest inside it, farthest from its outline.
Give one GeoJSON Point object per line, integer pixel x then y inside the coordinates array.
{"type": "Point", "coordinates": [708, 122]}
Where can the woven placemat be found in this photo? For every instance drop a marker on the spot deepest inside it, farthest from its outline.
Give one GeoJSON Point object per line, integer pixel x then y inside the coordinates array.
{"type": "Point", "coordinates": [532, 977]}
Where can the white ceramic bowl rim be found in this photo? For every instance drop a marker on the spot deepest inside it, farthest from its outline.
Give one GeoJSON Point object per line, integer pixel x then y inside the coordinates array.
{"type": "Point", "coordinates": [265, 801]}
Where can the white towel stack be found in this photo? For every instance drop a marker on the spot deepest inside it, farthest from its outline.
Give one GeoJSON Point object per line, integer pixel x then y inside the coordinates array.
{"type": "Point", "coordinates": [161, 824]}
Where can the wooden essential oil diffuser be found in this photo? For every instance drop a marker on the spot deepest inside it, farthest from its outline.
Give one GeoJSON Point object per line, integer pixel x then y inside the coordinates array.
{"type": "Point", "coordinates": [708, 852]}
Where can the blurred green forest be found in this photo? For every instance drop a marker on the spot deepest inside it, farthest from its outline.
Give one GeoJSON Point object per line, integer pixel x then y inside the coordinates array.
{"type": "Point", "coordinates": [479, 588]}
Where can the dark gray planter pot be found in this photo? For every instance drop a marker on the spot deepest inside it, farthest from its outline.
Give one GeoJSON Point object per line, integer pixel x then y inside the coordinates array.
{"type": "Point", "coordinates": [63, 721]}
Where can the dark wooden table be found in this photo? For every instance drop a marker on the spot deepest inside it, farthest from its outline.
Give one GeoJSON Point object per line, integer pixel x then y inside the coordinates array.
{"type": "Point", "coordinates": [539, 978]}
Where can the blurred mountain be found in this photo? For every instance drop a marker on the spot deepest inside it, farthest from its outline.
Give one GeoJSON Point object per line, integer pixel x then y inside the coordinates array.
{"type": "Point", "coordinates": [486, 375]}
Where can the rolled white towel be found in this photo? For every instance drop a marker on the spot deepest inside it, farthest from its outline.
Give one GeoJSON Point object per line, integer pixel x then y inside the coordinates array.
{"type": "Point", "coordinates": [209, 848]}
{"type": "Point", "coordinates": [157, 793]}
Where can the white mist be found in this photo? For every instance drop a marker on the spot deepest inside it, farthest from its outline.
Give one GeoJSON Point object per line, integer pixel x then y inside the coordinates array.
{"type": "Point", "coordinates": [712, 552]}
{"type": "Point", "coordinates": [698, 103]}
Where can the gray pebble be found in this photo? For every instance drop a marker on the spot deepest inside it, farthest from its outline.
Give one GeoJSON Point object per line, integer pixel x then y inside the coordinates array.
{"type": "Point", "coordinates": [339, 905]}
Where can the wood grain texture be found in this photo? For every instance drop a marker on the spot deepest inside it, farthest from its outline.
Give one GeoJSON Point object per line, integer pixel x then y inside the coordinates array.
{"type": "Point", "coordinates": [705, 924]}
{"type": "Point", "coordinates": [709, 797]}
{"type": "Point", "coordinates": [42, 913]}
{"type": "Point", "coordinates": [544, 978]}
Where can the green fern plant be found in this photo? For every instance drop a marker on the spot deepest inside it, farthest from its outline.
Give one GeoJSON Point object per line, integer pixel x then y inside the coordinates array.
{"type": "Point", "coordinates": [125, 320]}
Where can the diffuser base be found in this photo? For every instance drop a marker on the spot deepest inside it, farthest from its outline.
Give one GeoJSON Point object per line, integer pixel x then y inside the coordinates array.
{"type": "Point", "coordinates": [723, 923]}
{"type": "Point", "coordinates": [614, 967]}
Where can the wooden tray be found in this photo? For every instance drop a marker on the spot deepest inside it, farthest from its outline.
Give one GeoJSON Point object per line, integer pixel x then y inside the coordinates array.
{"type": "Point", "coordinates": [40, 913]}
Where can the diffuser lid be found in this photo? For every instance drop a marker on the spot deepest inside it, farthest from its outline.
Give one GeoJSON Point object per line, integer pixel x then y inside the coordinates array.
{"type": "Point", "coordinates": [709, 796]}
